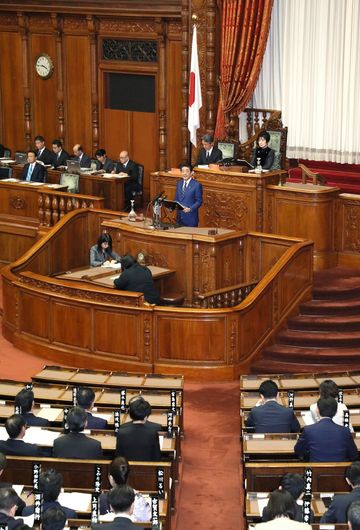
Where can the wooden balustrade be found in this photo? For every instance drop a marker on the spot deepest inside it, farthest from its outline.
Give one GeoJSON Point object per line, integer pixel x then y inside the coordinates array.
{"type": "Point", "coordinates": [53, 205]}
{"type": "Point", "coordinates": [226, 297]}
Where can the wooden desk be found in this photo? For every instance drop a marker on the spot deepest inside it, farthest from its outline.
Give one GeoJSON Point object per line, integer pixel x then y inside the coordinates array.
{"type": "Point", "coordinates": [303, 399]}
{"type": "Point", "coordinates": [231, 199]}
{"type": "Point", "coordinates": [299, 381]}
{"type": "Point", "coordinates": [205, 258]}
{"type": "Point", "coordinates": [111, 188]}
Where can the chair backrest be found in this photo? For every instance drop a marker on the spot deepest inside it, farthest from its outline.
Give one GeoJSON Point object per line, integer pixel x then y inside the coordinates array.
{"type": "Point", "coordinates": [7, 152]}
{"type": "Point", "coordinates": [278, 139]}
{"type": "Point", "coordinates": [140, 179]}
{"type": "Point", "coordinates": [5, 172]}
{"type": "Point", "coordinates": [229, 149]}
{"type": "Point", "coordinates": [71, 180]}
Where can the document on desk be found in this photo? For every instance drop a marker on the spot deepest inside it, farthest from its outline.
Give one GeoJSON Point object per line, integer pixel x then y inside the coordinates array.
{"type": "Point", "coordinates": [29, 520]}
{"type": "Point", "coordinates": [80, 502]}
{"type": "Point", "coordinates": [111, 266]}
{"type": "Point", "coordinates": [18, 488]}
{"type": "Point", "coordinates": [10, 180]}
{"type": "Point", "coordinates": [37, 435]}
{"type": "Point", "coordinates": [3, 434]}
{"type": "Point", "coordinates": [48, 413]}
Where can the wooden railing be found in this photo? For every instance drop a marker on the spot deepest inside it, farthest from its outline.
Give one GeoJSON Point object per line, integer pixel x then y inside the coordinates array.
{"type": "Point", "coordinates": [53, 205]}
{"type": "Point", "coordinates": [226, 297]}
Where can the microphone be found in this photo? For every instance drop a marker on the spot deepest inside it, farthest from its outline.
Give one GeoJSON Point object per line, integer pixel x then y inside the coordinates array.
{"type": "Point", "coordinates": [157, 197]}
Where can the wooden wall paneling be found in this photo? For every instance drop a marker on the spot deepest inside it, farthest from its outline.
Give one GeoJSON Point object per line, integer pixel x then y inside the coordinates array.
{"type": "Point", "coordinates": [15, 240]}
{"type": "Point", "coordinates": [185, 56]}
{"type": "Point", "coordinates": [115, 132]}
{"type": "Point", "coordinates": [34, 314]}
{"type": "Point", "coordinates": [77, 75]}
{"type": "Point", "coordinates": [10, 304]}
{"type": "Point", "coordinates": [12, 124]}
{"type": "Point", "coordinates": [348, 230]}
{"type": "Point", "coordinates": [161, 99]}
{"type": "Point", "coordinates": [24, 30]}
{"type": "Point", "coordinates": [145, 147]}
{"type": "Point", "coordinates": [57, 22]}
{"type": "Point", "coordinates": [72, 325]}
{"type": "Point", "coordinates": [44, 91]}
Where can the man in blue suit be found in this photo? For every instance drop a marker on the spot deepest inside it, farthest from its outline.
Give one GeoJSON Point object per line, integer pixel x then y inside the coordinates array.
{"type": "Point", "coordinates": [33, 171]}
{"type": "Point", "coordinates": [86, 399]}
{"type": "Point", "coordinates": [269, 416]}
{"type": "Point", "coordinates": [336, 513]}
{"type": "Point", "coordinates": [188, 194]}
{"type": "Point", "coordinates": [325, 441]}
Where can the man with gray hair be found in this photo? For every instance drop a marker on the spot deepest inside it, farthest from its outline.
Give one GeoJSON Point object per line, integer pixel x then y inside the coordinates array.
{"type": "Point", "coordinates": [209, 154]}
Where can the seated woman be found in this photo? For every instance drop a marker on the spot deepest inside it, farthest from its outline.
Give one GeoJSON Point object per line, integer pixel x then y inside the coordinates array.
{"type": "Point", "coordinates": [102, 253]}
{"type": "Point", "coordinates": [119, 470]}
{"type": "Point", "coordinates": [329, 388]}
{"type": "Point", "coordinates": [135, 277]}
{"type": "Point", "coordinates": [264, 152]}
{"type": "Point", "coordinates": [282, 513]}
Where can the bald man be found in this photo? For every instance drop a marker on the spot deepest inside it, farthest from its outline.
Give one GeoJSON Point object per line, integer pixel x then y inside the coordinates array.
{"type": "Point", "coordinates": [128, 167]}
{"type": "Point", "coordinates": [80, 156]}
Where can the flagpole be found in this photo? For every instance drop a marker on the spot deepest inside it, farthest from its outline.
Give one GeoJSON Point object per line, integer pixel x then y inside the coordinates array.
{"type": "Point", "coordinates": [195, 96]}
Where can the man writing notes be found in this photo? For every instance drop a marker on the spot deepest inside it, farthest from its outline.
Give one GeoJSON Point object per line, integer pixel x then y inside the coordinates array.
{"type": "Point", "coordinates": [208, 154]}
{"type": "Point", "coordinates": [33, 171]}
{"type": "Point", "coordinates": [188, 194]}
{"type": "Point", "coordinates": [42, 152]}
{"type": "Point", "coordinates": [80, 156]}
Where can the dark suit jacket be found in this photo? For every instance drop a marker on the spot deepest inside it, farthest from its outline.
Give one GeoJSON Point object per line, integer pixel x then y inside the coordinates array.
{"type": "Point", "coordinates": [139, 279]}
{"type": "Point", "coordinates": [119, 523]}
{"type": "Point", "coordinates": [46, 156]}
{"type": "Point", "coordinates": [132, 170]}
{"type": "Point", "coordinates": [216, 156]}
{"type": "Point", "coordinates": [19, 448]}
{"type": "Point", "coordinates": [139, 442]}
{"type": "Point", "coordinates": [266, 156]}
{"type": "Point", "coordinates": [85, 160]}
{"type": "Point", "coordinates": [10, 521]}
{"type": "Point", "coordinates": [108, 166]}
{"type": "Point", "coordinates": [95, 423]}
{"type": "Point", "coordinates": [337, 511]}
{"type": "Point", "coordinates": [77, 445]}
{"type": "Point", "coordinates": [34, 421]}
{"type": "Point", "coordinates": [70, 514]}
{"type": "Point", "coordinates": [61, 161]}
{"type": "Point", "coordinates": [298, 516]}
{"type": "Point", "coordinates": [325, 441]}
{"type": "Point", "coordinates": [38, 174]}
{"type": "Point", "coordinates": [192, 198]}
{"type": "Point", "coordinates": [272, 417]}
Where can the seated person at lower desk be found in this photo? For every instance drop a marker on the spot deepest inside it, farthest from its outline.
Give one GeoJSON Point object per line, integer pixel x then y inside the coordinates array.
{"type": "Point", "coordinates": [76, 444]}
{"type": "Point", "coordinates": [85, 398]}
{"type": "Point", "coordinates": [269, 416]}
{"type": "Point", "coordinates": [20, 504]}
{"type": "Point", "coordinates": [137, 278]}
{"type": "Point", "coordinates": [336, 513]}
{"type": "Point", "coordinates": [50, 484]}
{"type": "Point", "coordinates": [103, 162]}
{"type": "Point", "coordinates": [79, 155]}
{"type": "Point", "coordinates": [129, 168]}
{"type": "Point", "coordinates": [33, 171]}
{"type": "Point", "coordinates": [121, 499]}
{"type": "Point", "coordinates": [325, 441]}
{"type": "Point", "coordinates": [8, 506]}
{"type": "Point", "coordinates": [188, 194]}
{"type": "Point", "coordinates": [282, 512]}
{"type": "Point", "coordinates": [15, 426]}
{"type": "Point", "coordinates": [25, 401]}
{"type": "Point", "coordinates": [263, 152]}
{"type": "Point", "coordinates": [102, 253]}
{"type": "Point", "coordinates": [53, 519]}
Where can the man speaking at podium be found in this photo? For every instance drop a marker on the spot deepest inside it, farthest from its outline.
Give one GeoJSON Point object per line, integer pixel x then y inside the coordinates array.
{"type": "Point", "coordinates": [189, 195]}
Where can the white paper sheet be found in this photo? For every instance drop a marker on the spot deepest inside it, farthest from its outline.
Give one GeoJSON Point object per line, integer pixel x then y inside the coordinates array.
{"type": "Point", "coordinates": [79, 502]}
{"type": "Point", "coordinates": [18, 488]}
{"type": "Point", "coordinates": [36, 435]}
{"type": "Point", "coordinates": [49, 413]}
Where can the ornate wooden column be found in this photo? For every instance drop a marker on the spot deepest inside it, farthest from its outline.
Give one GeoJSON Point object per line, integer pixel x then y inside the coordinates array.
{"type": "Point", "coordinates": [57, 23]}
{"type": "Point", "coordinates": [185, 19]}
{"type": "Point", "coordinates": [23, 22]}
{"type": "Point", "coordinates": [93, 36]}
{"type": "Point", "coordinates": [162, 31]}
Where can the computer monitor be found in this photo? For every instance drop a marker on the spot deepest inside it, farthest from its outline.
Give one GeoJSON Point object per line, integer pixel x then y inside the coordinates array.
{"type": "Point", "coordinates": [73, 166]}
{"type": "Point", "coordinates": [227, 149]}
{"type": "Point", "coordinates": [70, 180]}
{"type": "Point", "coordinates": [20, 158]}
{"type": "Point", "coordinates": [5, 173]}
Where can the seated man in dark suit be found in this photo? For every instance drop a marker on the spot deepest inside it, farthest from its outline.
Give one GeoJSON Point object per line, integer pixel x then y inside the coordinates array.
{"type": "Point", "coordinates": [325, 441]}
{"type": "Point", "coordinates": [138, 440]}
{"type": "Point", "coordinates": [25, 400]}
{"type": "Point", "coordinates": [336, 513]}
{"type": "Point", "coordinates": [103, 162]}
{"type": "Point", "coordinates": [76, 444]}
{"type": "Point", "coordinates": [85, 399]}
{"type": "Point", "coordinates": [208, 154]}
{"type": "Point", "coordinates": [33, 171]}
{"type": "Point", "coordinates": [53, 519]}
{"type": "Point", "coordinates": [8, 507]}
{"type": "Point", "coordinates": [42, 152]}
{"type": "Point", "coordinates": [80, 156]}
{"type": "Point", "coordinates": [15, 426]}
{"type": "Point", "coordinates": [121, 499]}
{"type": "Point", "coordinates": [294, 484]}
{"type": "Point", "coordinates": [270, 417]}
{"type": "Point", "coordinates": [263, 152]}
{"type": "Point", "coordinates": [59, 157]}
{"type": "Point", "coordinates": [353, 516]}
{"type": "Point", "coordinates": [128, 167]}
{"type": "Point", "coordinates": [50, 484]}
{"type": "Point", "coordinates": [20, 504]}
{"type": "Point", "coordinates": [137, 278]}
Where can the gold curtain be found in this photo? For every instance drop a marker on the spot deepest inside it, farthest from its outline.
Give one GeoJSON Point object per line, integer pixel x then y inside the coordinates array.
{"type": "Point", "coordinates": [244, 31]}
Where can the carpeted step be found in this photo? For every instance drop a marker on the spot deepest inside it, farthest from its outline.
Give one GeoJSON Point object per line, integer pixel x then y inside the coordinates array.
{"type": "Point", "coordinates": [314, 356]}
{"type": "Point", "coordinates": [283, 367]}
{"type": "Point", "coordinates": [338, 290]}
{"type": "Point", "coordinates": [317, 339]}
{"type": "Point", "coordinates": [325, 323]}
{"type": "Point", "coordinates": [330, 307]}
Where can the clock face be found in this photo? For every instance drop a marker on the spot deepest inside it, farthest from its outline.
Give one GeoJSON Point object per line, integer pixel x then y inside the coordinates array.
{"type": "Point", "coordinates": [44, 66]}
